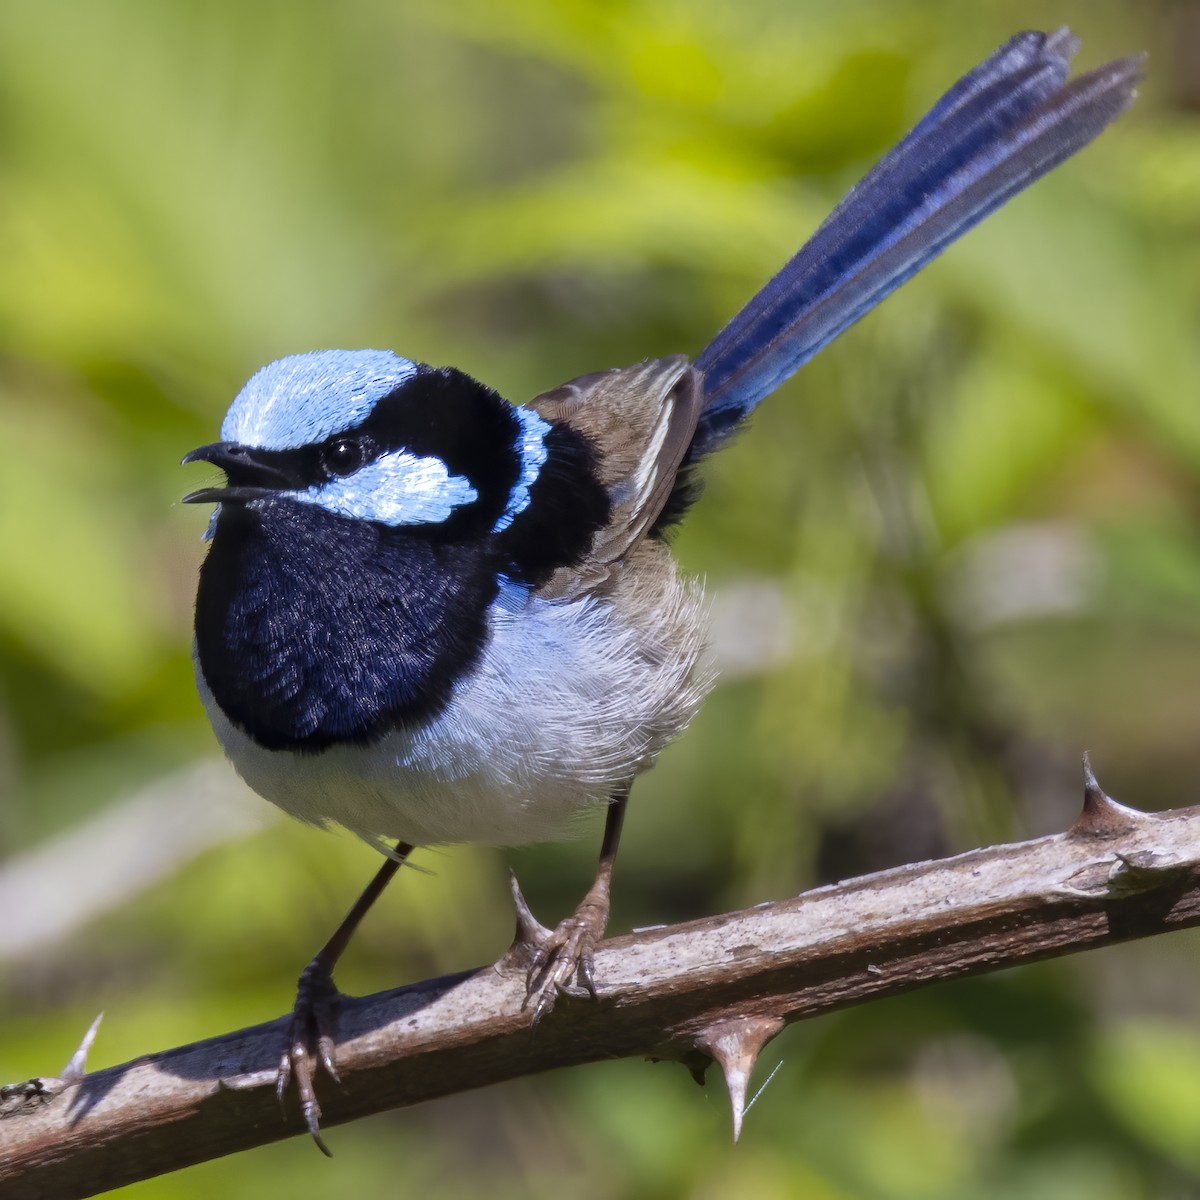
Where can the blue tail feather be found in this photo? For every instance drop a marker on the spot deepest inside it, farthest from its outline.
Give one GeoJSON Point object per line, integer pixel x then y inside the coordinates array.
{"type": "Point", "coordinates": [1002, 126]}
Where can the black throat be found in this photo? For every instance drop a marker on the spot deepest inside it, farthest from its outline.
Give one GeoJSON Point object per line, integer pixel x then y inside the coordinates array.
{"type": "Point", "coordinates": [313, 629]}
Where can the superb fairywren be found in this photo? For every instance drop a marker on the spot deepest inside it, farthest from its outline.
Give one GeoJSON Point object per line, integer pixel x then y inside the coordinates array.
{"type": "Point", "coordinates": [431, 616]}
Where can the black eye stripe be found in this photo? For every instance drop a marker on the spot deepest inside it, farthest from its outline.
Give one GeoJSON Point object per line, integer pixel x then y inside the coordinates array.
{"type": "Point", "coordinates": [438, 413]}
{"type": "Point", "coordinates": [443, 413]}
{"type": "Point", "coordinates": [305, 467]}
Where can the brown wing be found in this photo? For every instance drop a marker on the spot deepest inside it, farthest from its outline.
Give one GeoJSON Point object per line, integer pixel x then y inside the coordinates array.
{"type": "Point", "coordinates": [641, 420]}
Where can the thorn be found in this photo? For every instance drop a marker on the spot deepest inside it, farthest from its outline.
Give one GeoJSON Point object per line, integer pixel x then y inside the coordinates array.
{"type": "Point", "coordinates": [1102, 816]}
{"type": "Point", "coordinates": [19, 1097]}
{"type": "Point", "coordinates": [735, 1045]}
{"type": "Point", "coordinates": [529, 937]}
{"type": "Point", "coordinates": [530, 931]}
{"type": "Point", "coordinates": [76, 1069]}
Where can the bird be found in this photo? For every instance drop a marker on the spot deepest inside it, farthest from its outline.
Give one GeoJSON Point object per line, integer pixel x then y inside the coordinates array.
{"type": "Point", "coordinates": [431, 616]}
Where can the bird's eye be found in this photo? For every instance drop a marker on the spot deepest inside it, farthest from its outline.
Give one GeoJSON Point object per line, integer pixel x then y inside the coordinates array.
{"type": "Point", "coordinates": [344, 456]}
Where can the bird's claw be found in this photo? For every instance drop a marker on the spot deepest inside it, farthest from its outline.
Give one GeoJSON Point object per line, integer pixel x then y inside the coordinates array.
{"type": "Point", "coordinates": [559, 961]}
{"type": "Point", "coordinates": [310, 1046]}
{"type": "Point", "coordinates": [567, 955]}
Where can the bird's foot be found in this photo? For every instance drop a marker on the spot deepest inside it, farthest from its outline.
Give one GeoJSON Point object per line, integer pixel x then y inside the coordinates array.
{"type": "Point", "coordinates": [310, 1044]}
{"type": "Point", "coordinates": [560, 960]}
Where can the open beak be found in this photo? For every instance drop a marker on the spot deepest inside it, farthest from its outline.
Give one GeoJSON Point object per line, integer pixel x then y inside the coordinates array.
{"type": "Point", "coordinates": [249, 476]}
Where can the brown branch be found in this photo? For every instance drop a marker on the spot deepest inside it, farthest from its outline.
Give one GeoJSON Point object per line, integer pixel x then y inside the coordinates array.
{"type": "Point", "coordinates": [717, 988]}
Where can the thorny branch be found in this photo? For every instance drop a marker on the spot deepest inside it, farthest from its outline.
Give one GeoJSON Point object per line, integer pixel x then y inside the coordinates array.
{"type": "Point", "coordinates": [716, 989]}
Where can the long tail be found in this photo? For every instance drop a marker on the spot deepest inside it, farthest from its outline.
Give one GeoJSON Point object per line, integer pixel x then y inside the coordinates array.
{"type": "Point", "coordinates": [1007, 123]}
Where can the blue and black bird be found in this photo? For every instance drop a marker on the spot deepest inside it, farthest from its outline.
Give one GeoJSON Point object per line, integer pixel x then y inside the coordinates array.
{"type": "Point", "coordinates": [431, 616]}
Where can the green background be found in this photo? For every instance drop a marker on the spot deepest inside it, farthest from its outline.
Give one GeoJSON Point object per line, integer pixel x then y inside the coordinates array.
{"type": "Point", "coordinates": [954, 553]}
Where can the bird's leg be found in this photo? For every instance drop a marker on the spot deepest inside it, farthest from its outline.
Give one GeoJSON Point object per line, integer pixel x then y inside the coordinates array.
{"type": "Point", "coordinates": [555, 956]}
{"type": "Point", "coordinates": [314, 1016]}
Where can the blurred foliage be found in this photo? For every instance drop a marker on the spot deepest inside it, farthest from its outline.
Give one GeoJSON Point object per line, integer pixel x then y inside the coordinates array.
{"type": "Point", "coordinates": [977, 512]}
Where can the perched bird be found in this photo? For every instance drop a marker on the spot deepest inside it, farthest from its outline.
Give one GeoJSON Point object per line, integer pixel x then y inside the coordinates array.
{"type": "Point", "coordinates": [431, 616]}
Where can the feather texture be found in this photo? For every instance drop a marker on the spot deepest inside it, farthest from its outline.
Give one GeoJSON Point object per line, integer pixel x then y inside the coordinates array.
{"type": "Point", "coordinates": [1000, 128]}
{"type": "Point", "coordinates": [641, 420]}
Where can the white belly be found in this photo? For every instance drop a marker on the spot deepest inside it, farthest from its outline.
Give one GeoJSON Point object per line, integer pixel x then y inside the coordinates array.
{"type": "Point", "coordinates": [568, 703]}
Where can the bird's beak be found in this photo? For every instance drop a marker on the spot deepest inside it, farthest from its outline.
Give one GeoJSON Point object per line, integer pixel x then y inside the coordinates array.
{"type": "Point", "coordinates": [250, 476]}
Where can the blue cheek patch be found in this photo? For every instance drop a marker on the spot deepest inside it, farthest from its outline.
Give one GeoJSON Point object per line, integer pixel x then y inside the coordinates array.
{"type": "Point", "coordinates": [531, 445]}
{"type": "Point", "coordinates": [398, 488]}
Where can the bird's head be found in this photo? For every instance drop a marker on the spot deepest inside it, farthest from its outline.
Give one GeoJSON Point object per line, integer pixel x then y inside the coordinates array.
{"type": "Point", "coordinates": [368, 436]}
